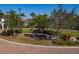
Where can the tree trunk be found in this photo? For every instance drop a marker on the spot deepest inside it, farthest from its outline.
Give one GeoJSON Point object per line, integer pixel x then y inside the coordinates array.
{"type": "Point", "coordinates": [14, 32]}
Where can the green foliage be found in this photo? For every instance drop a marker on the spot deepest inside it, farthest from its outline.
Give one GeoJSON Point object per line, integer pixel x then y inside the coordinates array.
{"type": "Point", "coordinates": [13, 21]}
{"type": "Point", "coordinates": [65, 35]}
{"type": "Point", "coordinates": [65, 43]}
{"type": "Point", "coordinates": [60, 18]}
{"type": "Point", "coordinates": [33, 14]}
{"type": "Point", "coordinates": [1, 14]}
{"type": "Point", "coordinates": [71, 33]}
{"type": "Point", "coordinates": [26, 30]}
{"type": "Point", "coordinates": [39, 21]}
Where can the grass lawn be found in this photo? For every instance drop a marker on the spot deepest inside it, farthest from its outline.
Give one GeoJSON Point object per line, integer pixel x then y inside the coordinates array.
{"type": "Point", "coordinates": [26, 30]}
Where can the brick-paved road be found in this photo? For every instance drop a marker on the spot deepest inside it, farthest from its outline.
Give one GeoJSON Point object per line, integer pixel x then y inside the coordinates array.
{"type": "Point", "coordinates": [11, 47]}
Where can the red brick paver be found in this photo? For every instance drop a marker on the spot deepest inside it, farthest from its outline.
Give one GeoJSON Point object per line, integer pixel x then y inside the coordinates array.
{"type": "Point", "coordinates": [13, 48]}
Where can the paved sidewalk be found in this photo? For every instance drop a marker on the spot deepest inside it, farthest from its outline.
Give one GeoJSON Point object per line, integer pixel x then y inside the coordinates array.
{"type": "Point", "coordinates": [8, 47]}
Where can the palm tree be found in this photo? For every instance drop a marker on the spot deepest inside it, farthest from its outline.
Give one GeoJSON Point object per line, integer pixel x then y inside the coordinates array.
{"type": "Point", "coordinates": [20, 16]}
{"type": "Point", "coordinates": [1, 14]}
{"type": "Point", "coordinates": [33, 14]}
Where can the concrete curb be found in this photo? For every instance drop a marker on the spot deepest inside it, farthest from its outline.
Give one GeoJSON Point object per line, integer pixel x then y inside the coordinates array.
{"type": "Point", "coordinates": [23, 44]}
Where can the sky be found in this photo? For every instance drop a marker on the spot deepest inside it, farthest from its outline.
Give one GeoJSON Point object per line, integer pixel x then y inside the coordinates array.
{"type": "Point", "coordinates": [36, 8]}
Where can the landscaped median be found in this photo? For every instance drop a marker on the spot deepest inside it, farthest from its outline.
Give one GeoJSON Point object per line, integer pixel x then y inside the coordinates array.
{"type": "Point", "coordinates": [28, 40]}
{"type": "Point", "coordinates": [42, 39]}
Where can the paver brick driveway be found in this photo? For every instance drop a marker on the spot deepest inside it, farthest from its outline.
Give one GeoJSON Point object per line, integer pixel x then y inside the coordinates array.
{"type": "Point", "coordinates": [13, 48]}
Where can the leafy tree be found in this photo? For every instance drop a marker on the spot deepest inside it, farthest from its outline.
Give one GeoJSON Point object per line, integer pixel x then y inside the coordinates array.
{"type": "Point", "coordinates": [13, 20]}
{"type": "Point", "coordinates": [63, 19]}
{"type": "Point", "coordinates": [1, 14]}
{"type": "Point", "coordinates": [33, 14]}
{"type": "Point", "coordinates": [10, 18]}
{"type": "Point", "coordinates": [39, 21]}
{"type": "Point", "coordinates": [57, 16]}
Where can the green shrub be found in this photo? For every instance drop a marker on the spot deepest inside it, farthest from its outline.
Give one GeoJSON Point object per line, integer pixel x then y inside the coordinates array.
{"type": "Point", "coordinates": [51, 32]}
{"type": "Point", "coordinates": [76, 43]}
{"type": "Point", "coordinates": [65, 43]}
{"type": "Point", "coordinates": [70, 33]}
{"type": "Point", "coordinates": [69, 43]}
{"type": "Point", "coordinates": [58, 42]}
{"type": "Point", "coordinates": [24, 30]}
{"type": "Point", "coordinates": [67, 35]}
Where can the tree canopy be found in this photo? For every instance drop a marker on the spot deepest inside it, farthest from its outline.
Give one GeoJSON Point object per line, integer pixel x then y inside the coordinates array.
{"type": "Point", "coordinates": [63, 19]}
{"type": "Point", "coordinates": [39, 22]}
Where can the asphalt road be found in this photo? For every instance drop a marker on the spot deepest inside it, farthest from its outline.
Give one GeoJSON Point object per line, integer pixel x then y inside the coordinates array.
{"type": "Point", "coordinates": [8, 47]}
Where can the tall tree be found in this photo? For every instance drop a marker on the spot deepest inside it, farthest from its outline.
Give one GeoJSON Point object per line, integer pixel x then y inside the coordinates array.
{"type": "Point", "coordinates": [1, 14]}
{"type": "Point", "coordinates": [19, 19]}
{"type": "Point", "coordinates": [39, 21]}
{"type": "Point", "coordinates": [63, 19]}
{"type": "Point", "coordinates": [13, 19]}
{"type": "Point", "coordinates": [57, 16]}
